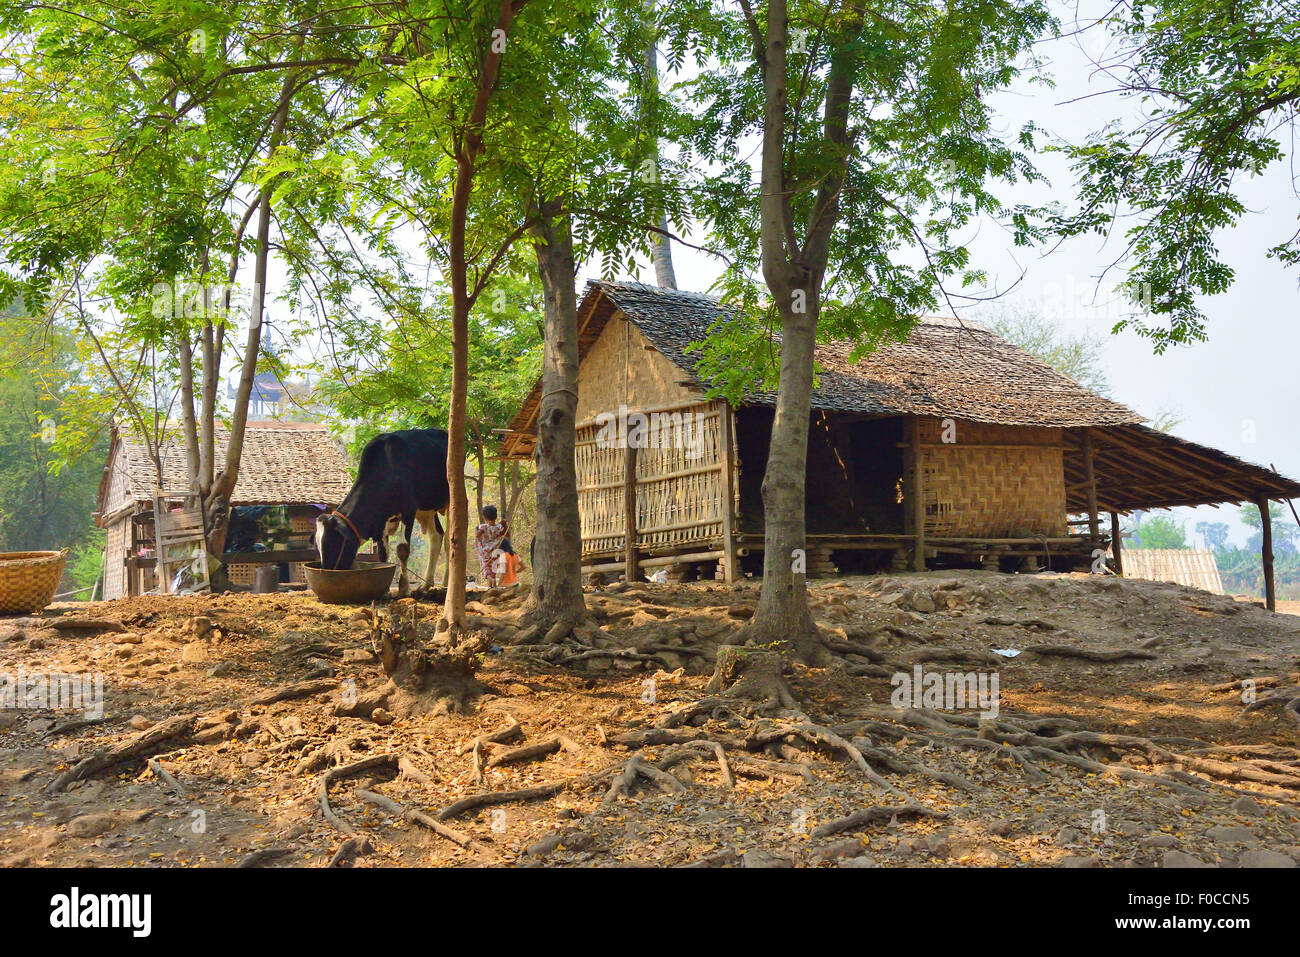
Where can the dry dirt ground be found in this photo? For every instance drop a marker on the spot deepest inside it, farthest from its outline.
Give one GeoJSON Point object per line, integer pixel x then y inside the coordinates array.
{"type": "Point", "coordinates": [1154, 758]}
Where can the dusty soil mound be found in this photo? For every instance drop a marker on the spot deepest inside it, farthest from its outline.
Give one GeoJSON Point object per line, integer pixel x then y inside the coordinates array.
{"type": "Point", "coordinates": [1136, 724]}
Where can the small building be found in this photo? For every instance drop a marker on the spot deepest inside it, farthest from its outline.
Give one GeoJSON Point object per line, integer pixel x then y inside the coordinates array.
{"type": "Point", "coordinates": [951, 448]}
{"type": "Point", "coordinates": [295, 468]}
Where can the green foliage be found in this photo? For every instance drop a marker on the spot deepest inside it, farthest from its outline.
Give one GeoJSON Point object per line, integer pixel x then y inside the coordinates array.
{"type": "Point", "coordinates": [1286, 535]}
{"type": "Point", "coordinates": [1215, 534]}
{"type": "Point", "coordinates": [1242, 572]}
{"type": "Point", "coordinates": [398, 375]}
{"type": "Point", "coordinates": [49, 470]}
{"type": "Point", "coordinates": [1157, 531]}
{"type": "Point", "coordinates": [1217, 83]}
{"type": "Point", "coordinates": [86, 565]}
{"type": "Point", "coordinates": [924, 161]}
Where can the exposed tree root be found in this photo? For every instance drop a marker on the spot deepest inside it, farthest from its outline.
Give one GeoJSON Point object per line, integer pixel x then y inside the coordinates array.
{"type": "Point", "coordinates": [259, 857]}
{"type": "Point", "coordinates": [1088, 654]}
{"type": "Point", "coordinates": [842, 647]}
{"type": "Point", "coordinates": [168, 781]}
{"type": "Point", "coordinates": [511, 732]}
{"type": "Point", "coordinates": [938, 655]}
{"type": "Point", "coordinates": [1037, 624]}
{"type": "Point", "coordinates": [868, 816]}
{"type": "Point", "coordinates": [526, 752]}
{"type": "Point", "coordinates": [349, 851]}
{"type": "Point", "coordinates": [163, 736]}
{"type": "Point", "coordinates": [492, 798]}
{"type": "Point", "coordinates": [1288, 699]}
{"type": "Point", "coordinates": [303, 689]}
{"type": "Point", "coordinates": [423, 820]}
{"type": "Point", "coordinates": [377, 762]}
{"type": "Point", "coordinates": [754, 674]}
{"type": "Point", "coordinates": [534, 627]}
{"type": "Point", "coordinates": [81, 624]}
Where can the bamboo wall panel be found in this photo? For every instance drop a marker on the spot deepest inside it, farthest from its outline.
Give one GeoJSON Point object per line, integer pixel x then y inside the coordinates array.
{"type": "Point", "coordinates": [115, 559]}
{"type": "Point", "coordinates": [619, 369]}
{"type": "Point", "coordinates": [679, 483]}
{"type": "Point", "coordinates": [1194, 567]}
{"type": "Point", "coordinates": [995, 481]}
{"type": "Point", "coordinates": [116, 495]}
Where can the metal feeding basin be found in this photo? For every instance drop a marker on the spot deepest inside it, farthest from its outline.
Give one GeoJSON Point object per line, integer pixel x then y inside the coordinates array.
{"type": "Point", "coordinates": [363, 582]}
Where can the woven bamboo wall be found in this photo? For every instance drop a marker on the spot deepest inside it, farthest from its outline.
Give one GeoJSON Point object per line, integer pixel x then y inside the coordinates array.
{"type": "Point", "coordinates": [679, 487]}
{"type": "Point", "coordinates": [115, 495]}
{"type": "Point", "coordinates": [242, 573]}
{"type": "Point", "coordinates": [114, 559]}
{"type": "Point", "coordinates": [995, 481]}
{"type": "Point", "coordinates": [620, 369]}
{"type": "Point", "coordinates": [1194, 567]}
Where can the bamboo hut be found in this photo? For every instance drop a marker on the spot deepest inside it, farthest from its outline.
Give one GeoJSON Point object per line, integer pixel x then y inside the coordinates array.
{"type": "Point", "coordinates": [951, 448]}
{"type": "Point", "coordinates": [297, 466]}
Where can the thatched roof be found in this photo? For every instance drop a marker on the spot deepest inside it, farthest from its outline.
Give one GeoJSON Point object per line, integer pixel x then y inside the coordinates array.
{"type": "Point", "coordinates": [950, 368]}
{"type": "Point", "coordinates": [283, 463]}
{"type": "Point", "coordinates": [947, 367]}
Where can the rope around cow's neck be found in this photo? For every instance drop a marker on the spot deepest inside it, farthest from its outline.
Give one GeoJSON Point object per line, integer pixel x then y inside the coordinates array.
{"type": "Point", "coordinates": [348, 521]}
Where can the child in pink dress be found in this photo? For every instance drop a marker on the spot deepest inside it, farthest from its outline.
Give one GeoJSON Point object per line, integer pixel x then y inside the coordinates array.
{"type": "Point", "coordinates": [487, 539]}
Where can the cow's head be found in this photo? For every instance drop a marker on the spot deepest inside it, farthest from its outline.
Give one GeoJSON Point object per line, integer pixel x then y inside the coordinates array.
{"type": "Point", "coordinates": [336, 542]}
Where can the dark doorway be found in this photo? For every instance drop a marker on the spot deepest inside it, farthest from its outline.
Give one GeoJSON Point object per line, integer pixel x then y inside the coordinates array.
{"type": "Point", "coordinates": [854, 469]}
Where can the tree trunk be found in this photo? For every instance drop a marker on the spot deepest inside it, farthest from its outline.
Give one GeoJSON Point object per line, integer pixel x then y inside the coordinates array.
{"type": "Point", "coordinates": [481, 456]}
{"type": "Point", "coordinates": [556, 604]}
{"type": "Point", "coordinates": [453, 609]}
{"type": "Point", "coordinates": [207, 414]}
{"type": "Point", "coordinates": [782, 614]}
{"type": "Point", "coordinates": [189, 423]}
{"type": "Point", "coordinates": [503, 506]}
{"type": "Point", "coordinates": [469, 147]}
{"type": "Point", "coordinates": [1266, 551]}
{"type": "Point", "coordinates": [661, 247]}
{"type": "Point", "coordinates": [794, 275]}
{"type": "Point", "coordinates": [518, 486]}
{"type": "Point", "coordinates": [217, 504]}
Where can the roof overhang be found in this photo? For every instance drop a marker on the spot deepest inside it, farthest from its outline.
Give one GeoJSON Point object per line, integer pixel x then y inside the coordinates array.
{"type": "Point", "coordinates": [1137, 467]}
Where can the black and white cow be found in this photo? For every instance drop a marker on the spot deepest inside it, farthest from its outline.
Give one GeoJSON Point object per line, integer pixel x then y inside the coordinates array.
{"type": "Point", "coordinates": [402, 479]}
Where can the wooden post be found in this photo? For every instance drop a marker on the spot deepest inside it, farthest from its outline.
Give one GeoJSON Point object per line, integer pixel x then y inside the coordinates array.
{"type": "Point", "coordinates": [1266, 550]}
{"type": "Point", "coordinates": [916, 490]}
{"type": "Point", "coordinates": [727, 448]}
{"type": "Point", "coordinates": [629, 514]}
{"type": "Point", "coordinates": [1116, 548]}
{"type": "Point", "coordinates": [1089, 476]}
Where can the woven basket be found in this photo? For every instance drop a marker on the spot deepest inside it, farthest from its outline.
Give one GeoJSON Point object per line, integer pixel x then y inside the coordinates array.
{"type": "Point", "coordinates": [28, 580]}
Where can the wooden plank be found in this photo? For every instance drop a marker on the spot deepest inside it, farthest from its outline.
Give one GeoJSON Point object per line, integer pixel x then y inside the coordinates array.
{"type": "Point", "coordinates": [629, 514]}
{"type": "Point", "coordinates": [1266, 552]}
{"type": "Point", "coordinates": [1116, 548]}
{"type": "Point", "coordinates": [916, 506]}
{"type": "Point", "coordinates": [731, 566]}
{"type": "Point", "coordinates": [1090, 483]}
